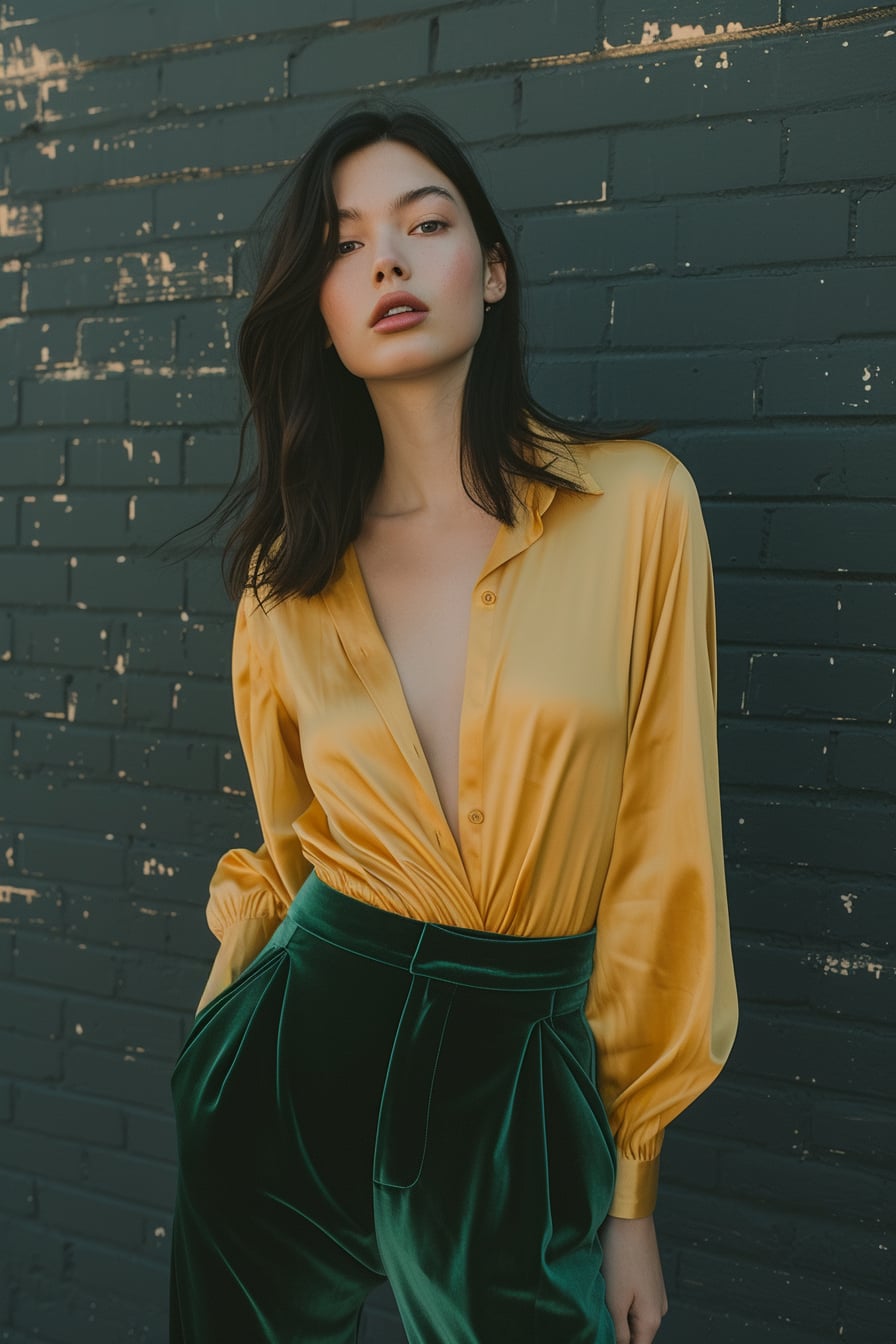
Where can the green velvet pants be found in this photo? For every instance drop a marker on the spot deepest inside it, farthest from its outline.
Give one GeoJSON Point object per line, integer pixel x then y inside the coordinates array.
{"type": "Point", "coordinates": [377, 1096]}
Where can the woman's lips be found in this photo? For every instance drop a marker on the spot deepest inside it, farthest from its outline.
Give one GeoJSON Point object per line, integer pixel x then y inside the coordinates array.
{"type": "Point", "coordinates": [398, 321]}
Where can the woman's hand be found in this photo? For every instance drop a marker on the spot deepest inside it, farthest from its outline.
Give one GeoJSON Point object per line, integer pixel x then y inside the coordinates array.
{"type": "Point", "coordinates": [636, 1294]}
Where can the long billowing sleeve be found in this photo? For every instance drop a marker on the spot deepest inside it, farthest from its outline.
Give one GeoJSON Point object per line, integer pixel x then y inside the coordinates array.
{"type": "Point", "coordinates": [250, 891]}
{"type": "Point", "coordinates": [662, 1002]}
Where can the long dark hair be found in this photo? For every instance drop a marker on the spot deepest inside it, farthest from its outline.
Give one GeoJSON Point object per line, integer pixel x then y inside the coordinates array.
{"type": "Point", "coordinates": [319, 444]}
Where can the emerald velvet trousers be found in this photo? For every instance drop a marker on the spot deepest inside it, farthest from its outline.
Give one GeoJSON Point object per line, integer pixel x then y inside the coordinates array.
{"type": "Point", "coordinates": [376, 1096]}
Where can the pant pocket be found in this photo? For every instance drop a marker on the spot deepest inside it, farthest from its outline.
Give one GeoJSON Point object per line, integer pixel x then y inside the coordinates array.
{"type": "Point", "coordinates": [403, 1120]}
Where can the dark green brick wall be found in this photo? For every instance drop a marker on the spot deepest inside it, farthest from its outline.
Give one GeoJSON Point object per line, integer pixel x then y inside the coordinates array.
{"type": "Point", "coordinates": [705, 206]}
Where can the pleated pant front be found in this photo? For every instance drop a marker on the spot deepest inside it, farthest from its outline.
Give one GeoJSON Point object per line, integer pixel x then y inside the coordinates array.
{"type": "Point", "coordinates": [376, 1096]}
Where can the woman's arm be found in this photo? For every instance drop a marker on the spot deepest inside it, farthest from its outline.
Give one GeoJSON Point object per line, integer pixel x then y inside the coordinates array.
{"type": "Point", "coordinates": [250, 891]}
{"type": "Point", "coordinates": [662, 1003]}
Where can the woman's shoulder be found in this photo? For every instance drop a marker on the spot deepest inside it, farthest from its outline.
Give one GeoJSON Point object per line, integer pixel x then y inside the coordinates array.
{"type": "Point", "coordinates": [631, 465]}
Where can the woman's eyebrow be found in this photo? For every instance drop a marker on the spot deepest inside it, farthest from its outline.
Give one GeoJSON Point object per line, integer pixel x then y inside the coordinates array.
{"type": "Point", "coordinates": [406, 198]}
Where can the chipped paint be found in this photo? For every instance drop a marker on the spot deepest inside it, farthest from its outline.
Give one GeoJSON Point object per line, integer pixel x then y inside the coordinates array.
{"type": "Point", "coordinates": [153, 868]}
{"type": "Point", "coordinates": [7, 894]}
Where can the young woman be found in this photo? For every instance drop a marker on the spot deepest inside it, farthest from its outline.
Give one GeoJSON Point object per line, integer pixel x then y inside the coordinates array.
{"type": "Point", "coordinates": [482, 957]}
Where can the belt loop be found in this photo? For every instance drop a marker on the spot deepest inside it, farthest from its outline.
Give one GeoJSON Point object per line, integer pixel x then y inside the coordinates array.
{"type": "Point", "coordinates": [412, 963]}
{"type": "Point", "coordinates": [553, 1002]}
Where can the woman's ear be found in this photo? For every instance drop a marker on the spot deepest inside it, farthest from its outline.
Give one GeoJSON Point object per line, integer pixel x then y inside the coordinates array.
{"type": "Point", "coordinates": [495, 274]}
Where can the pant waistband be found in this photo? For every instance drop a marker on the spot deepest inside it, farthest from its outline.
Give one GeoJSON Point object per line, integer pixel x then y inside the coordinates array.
{"type": "Point", "coordinates": [457, 955]}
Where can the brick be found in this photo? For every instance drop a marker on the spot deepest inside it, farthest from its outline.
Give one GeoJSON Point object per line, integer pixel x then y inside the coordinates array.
{"type": "Point", "coordinates": [79, 1211]}
{"type": "Point", "coordinates": [474, 109]}
{"type": "Point", "coordinates": [210, 459]}
{"type": "Point", "coordinates": [175, 270]}
{"type": "Point", "coordinates": [70, 282]}
{"type": "Point", "coordinates": [211, 206]}
{"type": "Point", "coordinates": [205, 588]}
{"type": "Point", "coordinates": [598, 240]}
{"type": "Point", "coordinates": [98, 94]}
{"type": "Point", "coordinates": [208, 645]}
{"type": "Point", "coordinates": [865, 760]}
{"type": "Point", "coordinates": [176, 764]}
{"type": "Point", "coordinates": [849, 144]}
{"type": "Point", "coordinates": [495, 35]}
{"type": "Point", "coordinates": [842, 1125]}
{"type": "Point", "coordinates": [51, 1111]}
{"type": "Point", "coordinates": [24, 691]}
{"type": "Point", "coordinates": [876, 222]}
{"type": "Point", "coordinates": [24, 232]}
{"type": "Point", "coordinates": [87, 751]}
{"type": "Point", "coordinates": [182, 399]}
{"type": "Point", "coordinates": [119, 1075]}
{"type": "Point", "coordinates": [532, 173]}
{"type": "Point", "coordinates": [805, 611]}
{"type": "Point", "coordinates": [29, 1057]}
{"type": "Point", "coordinates": [849, 911]}
{"type": "Point", "coordinates": [32, 1012]}
{"type": "Point", "coordinates": [868, 1317]}
{"type": "Point", "coordinates": [582, 317]}
{"type": "Point", "coordinates": [801, 757]}
{"type": "Point", "coordinates": [854, 379]}
{"type": "Point", "coordinates": [711, 386]}
{"type": "Point", "coordinates": [133, 1178]}
{"type": "Point", "coordinates": [17, 1195]}
{"type": "Point", "coordinates": [51, 961]}
{"type": "Point", "coordinates": [204, 337]}
{"type": "Point", "coordinates": [147, 29]}
{"type": "Point", "coordinates": [742, 310]}
{"type": "Point", "coordinates": [100, 219]}
{"type": "Point", "coordinates": [203, 707]}
{"type": "Point", "coordinates": [122, 1026]}
{"type": "Point", "coordinates": [679, 160]}
{"type": "Point", "coordinates": [156, 515]}
{"type": "Point", "coordinates": [828, 834]}
{"type": "Point", "coordinates": [350, 58]}
{"type": "Point", "coordinates": [742, 1287]}
{"type": "Point", "coordinates": [74, 518]}
{"type": "Point", "coordinates": [35, 580]}
{"type": "Point", "coordinates": [114, 920]}
{"type": "Point", "coordinates": [736, 534]}
{"type": "Point", "coordinates": [167, 981]}
{"type": "Point", "coordinates": [787, 1046]}
{"type": "Point", "coordinates": [220, 78]}
{"type": "Point", "coordinates": [151, 1135]}
{"type": "Point", "coordinates": [47, 855]}
{"type": "Point", "coordinates": [60, 401]}
{"type": "Point", "coordinates": [75, 638]}
{"type": "Point", "coordinates": [134, 1277]}
{"type": "Point", "coordinates": [38, 1154]}
{"type": "Point", "coordinates": [799, 461]}
{"type": "Point", "coordinates": [123, 581]}
{"type": "Point", "coordinates": [850, 686]}
{"type": "Point", "coordinates": [127, 341]}
{"type": "Point", "coordinates": [135, 458]}
{"type": "Point", "coordinates": [832, 537]}
{"type": "Point", "coordinates": [32, 457]}
{"type": "Point", "coordinates": [713, 233]}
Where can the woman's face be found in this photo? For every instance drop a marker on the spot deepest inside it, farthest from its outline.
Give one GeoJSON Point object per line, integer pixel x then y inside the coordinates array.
{"type": "Point", "coordinates": [426, 247]}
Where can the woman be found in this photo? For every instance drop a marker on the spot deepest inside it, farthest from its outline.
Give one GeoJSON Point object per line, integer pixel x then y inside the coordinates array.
{"type": "Point", "coordinates": [482, 957]}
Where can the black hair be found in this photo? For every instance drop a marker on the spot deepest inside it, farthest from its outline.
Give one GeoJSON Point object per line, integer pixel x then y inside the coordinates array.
{"type": "Point", "coordinates": [319, 445]}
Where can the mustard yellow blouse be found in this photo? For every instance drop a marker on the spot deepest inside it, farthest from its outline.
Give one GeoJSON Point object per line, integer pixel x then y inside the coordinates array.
{"type": "Point", "coordinates": [589, 787]}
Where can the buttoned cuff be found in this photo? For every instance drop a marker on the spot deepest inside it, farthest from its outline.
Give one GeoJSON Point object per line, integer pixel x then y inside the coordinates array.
{"type": "Point", "coordinates": [637, 1180]}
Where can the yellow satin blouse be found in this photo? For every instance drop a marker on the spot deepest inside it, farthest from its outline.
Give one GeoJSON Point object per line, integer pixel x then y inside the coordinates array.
{"type": "Point", "coordinates": [589, 787]}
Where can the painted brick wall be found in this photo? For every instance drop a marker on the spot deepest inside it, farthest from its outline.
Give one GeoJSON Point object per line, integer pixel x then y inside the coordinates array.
{"type": "Point", "coordinates": [706, 213]}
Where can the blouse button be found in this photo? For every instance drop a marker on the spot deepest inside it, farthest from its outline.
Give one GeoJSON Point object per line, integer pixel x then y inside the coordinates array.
{"type": "Point", "coordinates": [475, 816]}
{"type": "Point", "coordinates": [489, 597]}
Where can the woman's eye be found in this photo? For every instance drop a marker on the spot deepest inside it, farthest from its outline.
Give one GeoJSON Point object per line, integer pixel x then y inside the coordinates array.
{"type": "Point", "coordinates": [439, 224]}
